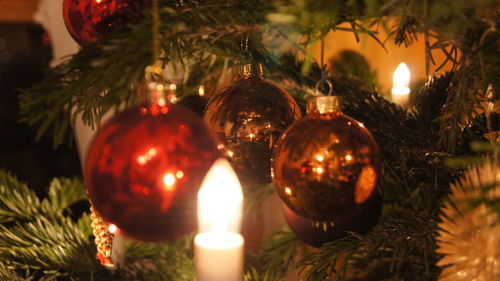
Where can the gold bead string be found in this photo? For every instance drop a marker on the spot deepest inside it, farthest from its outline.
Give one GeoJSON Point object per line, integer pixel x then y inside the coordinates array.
{"type": "Point", "coordinates": [103, 238]}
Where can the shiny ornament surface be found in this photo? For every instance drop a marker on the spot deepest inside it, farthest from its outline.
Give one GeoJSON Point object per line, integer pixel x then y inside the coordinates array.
{"type": "Point", "coordinates": [144, 169]}
{"type": "Point", "coordinates": [88, 20]}
{"type": "Point", "coordinates": [469, 235]}
{"type": "Point", "coordinates": [327, 165]}
{"type": "Point", "coordinates": [316, 233]}
{"type": "Point", "coordinates": [248, 117]}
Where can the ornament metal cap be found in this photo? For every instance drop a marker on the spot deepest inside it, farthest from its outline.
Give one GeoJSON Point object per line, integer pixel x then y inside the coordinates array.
{"type": "Point", "coordinates": [323, 104]}
{"type": "Point", "coordinates": [247, 71]}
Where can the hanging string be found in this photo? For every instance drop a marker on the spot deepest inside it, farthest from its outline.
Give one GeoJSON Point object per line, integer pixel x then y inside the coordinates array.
{"type": "Point", "coordinates": [155, 10]}
{"type": "Point", "coordinates": [322, 59]}
{"type": "Point", "coordinates": [324, 79]}
{"type": "Point", "coordinates": [244, 45]}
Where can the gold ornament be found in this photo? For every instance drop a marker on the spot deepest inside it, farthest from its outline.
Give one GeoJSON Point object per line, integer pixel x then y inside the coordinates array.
{"type": "Point", "coordinates": [103, 238]}
{"type": "Point", "coordinates": [469, 236]}
{"type": "Point", "coordinates": [248, 117]}
{"type": "Point", "coordinates": [327, 165]}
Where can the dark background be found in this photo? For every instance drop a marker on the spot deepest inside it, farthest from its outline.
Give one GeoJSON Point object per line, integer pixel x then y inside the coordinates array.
{"type": "Point", "coordinates": [25, 54]}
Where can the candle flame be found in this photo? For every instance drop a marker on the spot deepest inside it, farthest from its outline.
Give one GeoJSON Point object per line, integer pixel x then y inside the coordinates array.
{"type": "Point", "coordinates": [401, 80]}
{"type": "Point", "coordinates": [401, 76]}
{"type": "Point", "coordinates": [220, 200]}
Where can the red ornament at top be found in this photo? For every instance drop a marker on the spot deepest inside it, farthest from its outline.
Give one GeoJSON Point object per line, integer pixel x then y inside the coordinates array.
{"type": "Point", "coordinates": [144, 169]}
{"type": "Point", "coordinates": [88, 20]}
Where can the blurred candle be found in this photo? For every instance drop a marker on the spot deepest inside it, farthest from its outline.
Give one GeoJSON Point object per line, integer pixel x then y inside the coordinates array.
{"type": "Point", "coordinates": [401, 81]}
{"type": "Point", "coordinates": [218, 245]}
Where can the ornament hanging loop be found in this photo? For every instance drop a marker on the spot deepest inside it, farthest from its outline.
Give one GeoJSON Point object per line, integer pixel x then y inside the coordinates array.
{"type": "Point", "coordinates": [327, 85]}
{"type": "Point", "coordinates": [324, 80]}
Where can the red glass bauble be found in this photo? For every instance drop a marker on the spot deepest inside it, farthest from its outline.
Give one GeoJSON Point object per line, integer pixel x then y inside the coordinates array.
{"type": "Point", "coordinates": [248, 117]}
{"type": "Point", "coordinates": [144, 168]}
{"type": "Point", "coordinates": [88, 20]}
{"type": "Point", "coordinates": [327, 165]}
{"type": "Point", "coordinates": [317, 233]}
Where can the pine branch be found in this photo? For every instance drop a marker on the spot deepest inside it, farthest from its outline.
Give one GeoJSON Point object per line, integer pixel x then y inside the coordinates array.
{"type": "Point", "coordinates": [278, 253]}
{"type": "Point", "coordinates": [37, 235]}
{"type": "Point", "coordinates": [429, 100]}
{"type": "Point", "coordinates": [171, 261]}
{"type": "Point", "coordinates": [21, 203]}
{"type": "Point", "coordinates": [460, 107]}
{"type": "Point", "coordinates": [17, 202]}
{"type": "Point", "coordinates": [404, 248]}
{"type": "Point", "coordinates": [62, 194]}
{"type": "Point", "coordinates": [8, 273]}
{"type": "Point", "coordinates": [49, 245]}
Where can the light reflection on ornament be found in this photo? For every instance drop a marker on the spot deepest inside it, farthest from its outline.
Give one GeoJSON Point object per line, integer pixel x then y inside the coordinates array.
{"type": "Point", "coordinates": [348, 157]}
{"type": "Point", "coordinates": [172, 98]}
{"type": "Point", "coordinates": [364, 186]}
{"type": "Point", "coordinates": [201, 91]}
{"type": "Point", "coordinates": [288, 191]}
{"type": "Point", "coordinates": [152, 85]}
{"type": "Point", "coordinates": [143, 159]}
{"type": "Point", "coordinates": [173, 87]}
{"type": "Point", "coordinates": [320, 158]}
{"type": "Point", "coordinates": [179, 174]}
{"type": "Point", "coordinates": [169, 181]}
{"type": "Point", "coordinates": [230, 153]}
{"type": "Point", "coordinates": [112, 228]}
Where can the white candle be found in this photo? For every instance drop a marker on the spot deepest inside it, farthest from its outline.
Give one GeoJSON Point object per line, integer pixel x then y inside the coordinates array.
{"type": "Point", "coordinates": [401, 81]}
{"type": "Point", "coordinates": [219, 246]}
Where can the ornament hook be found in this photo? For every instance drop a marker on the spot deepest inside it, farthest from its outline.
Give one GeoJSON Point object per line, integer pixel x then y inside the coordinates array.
{"type": "Point", "coordinates": [324, 80]}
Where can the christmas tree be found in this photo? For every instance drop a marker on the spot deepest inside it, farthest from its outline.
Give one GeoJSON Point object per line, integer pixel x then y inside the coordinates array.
{"type": "Point", "coordinates": [437, 179]}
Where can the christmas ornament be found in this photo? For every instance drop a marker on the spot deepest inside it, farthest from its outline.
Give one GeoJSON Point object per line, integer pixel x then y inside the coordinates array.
{"type": "Point", "coordinates": [144, 168]}
{"type": "Point", "coordinates": [88, 20]}
{"type": "Point", "coordinates": [248, 117]}
{"type": "Point", "coordinates": [469, 235]}
{"type": "Point", "coordinates": [103, 238]}
{"type": "Point", "coordinates": [315, 233]}
{"type": "Point", "coordinates": [327, 165]}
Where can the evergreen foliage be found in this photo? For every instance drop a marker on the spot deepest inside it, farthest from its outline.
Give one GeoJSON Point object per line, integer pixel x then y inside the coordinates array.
{"type": "Point", "coordinates": [45, 239]}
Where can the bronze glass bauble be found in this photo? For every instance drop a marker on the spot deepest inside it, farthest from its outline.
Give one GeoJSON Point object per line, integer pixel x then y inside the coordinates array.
{"type": "Point", "coordinates": [326, 166]}
{"type": "Point", "coordinates": [248, 117]}
{"type": "Point", "coordinates": [316, 233]}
